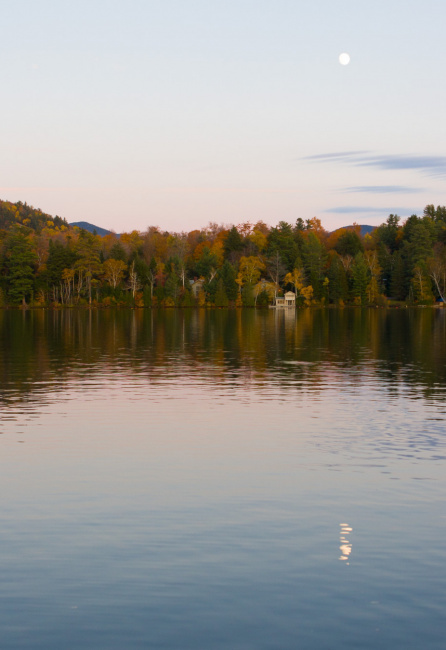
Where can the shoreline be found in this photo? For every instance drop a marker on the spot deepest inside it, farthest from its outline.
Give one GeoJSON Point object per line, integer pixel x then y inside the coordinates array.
{"type": "Point", "coordinates": [99, 307]}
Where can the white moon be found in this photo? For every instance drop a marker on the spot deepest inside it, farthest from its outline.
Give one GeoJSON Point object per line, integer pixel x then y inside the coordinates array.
{"type": "Point", "coordinates": [344, 58]}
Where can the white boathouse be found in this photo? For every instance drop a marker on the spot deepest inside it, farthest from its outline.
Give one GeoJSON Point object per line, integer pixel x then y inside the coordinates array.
{"type": "Point", "coordinates": [286, 301]}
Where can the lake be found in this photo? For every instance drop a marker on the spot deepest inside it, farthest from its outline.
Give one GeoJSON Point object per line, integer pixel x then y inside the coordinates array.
{"type": "Point", "coordinates": [223, 479]}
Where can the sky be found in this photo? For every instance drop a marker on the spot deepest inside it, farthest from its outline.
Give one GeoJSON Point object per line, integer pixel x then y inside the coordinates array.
{"type": "Point", "coordinates": [177, 113]}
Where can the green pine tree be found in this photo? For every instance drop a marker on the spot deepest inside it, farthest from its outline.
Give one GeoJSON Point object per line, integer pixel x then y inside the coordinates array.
{"type": "Point", "coordinates": [221, 298]}
{"type": "Point", "coordinates": [228, 275]}
{"type": "Point", "coordinates": [21, 262]}
{"type": "Point", "coordinates": [360, 279]}
{"type": "Point", "coordinates": [248, 297]}
{"type": "Point", "coordinates": [398, 283]}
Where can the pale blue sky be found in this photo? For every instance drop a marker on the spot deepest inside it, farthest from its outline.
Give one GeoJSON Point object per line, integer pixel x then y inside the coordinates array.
{"type": "Point", "coordinates": [177, 113]}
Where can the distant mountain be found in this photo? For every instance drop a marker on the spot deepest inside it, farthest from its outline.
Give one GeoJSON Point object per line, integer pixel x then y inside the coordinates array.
{"type": "Point", "coordinates": [92, 228]}
{"type": "Point", "coordinates": [365, 230]}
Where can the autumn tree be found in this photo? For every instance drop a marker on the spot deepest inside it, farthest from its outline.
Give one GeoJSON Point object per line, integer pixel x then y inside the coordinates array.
{"type": "Point", "coordinates": [67, 286]}
{"type": "Point", "coordinates": [134, 281]}
{"type": "Point", "coordinates": [114, 271]}
{"type": "Point", "coordinates": [257, 242]}
{"type": "Point", "coordinates": [207, 264]}
{"type": "Point", "coordinates": [296, 279]}
{"type": "Point", "coordinates": [371, 260]}
{"type": "Point", "coordinates": [151, 275]}
{"type": "Point", "coordinates": [276, 269]}
{"type": "Point", "coordinates": [88, 263]}
{"type": "Point", "coordinates": [421, 284]}
{"type": "Point", "coordinates": [250, 269]}
{"type": "Point", "coordinates": [437, 270]}
{"type": "Point", "coordinates": [181, 250]}
{"type": "Point", "coordinates": [264, 292]}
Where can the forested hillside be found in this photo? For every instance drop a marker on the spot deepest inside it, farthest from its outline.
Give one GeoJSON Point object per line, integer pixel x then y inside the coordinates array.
{"type": "Point", "coordinates": [45, 262]}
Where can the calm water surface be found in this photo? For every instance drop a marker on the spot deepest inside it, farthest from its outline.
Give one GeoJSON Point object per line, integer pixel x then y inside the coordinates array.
{"type": "Point", "coordinates": [221, 479]}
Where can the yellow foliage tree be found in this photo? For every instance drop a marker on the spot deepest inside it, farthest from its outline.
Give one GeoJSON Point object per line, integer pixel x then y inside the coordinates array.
{"type": "Point", "coordinates": [114, 271]}
{"type": "Point", "coordinates": [131, 241]}
{"type": "Point", "coordinates": [307, 293]}
{"type": "Point", "coordinates": [259, 240]}
{"type": "Point", "coordinates": [263, 285]}
{"type": "Point", "coordinates": [371, 259]}
{"type": "Point", "coordinates": [297, 280]}
{"type": "Point", "coordinates": [217, 249]}
{"type": "Point", "coordinates": [250, 269]}
{"type": "Point", "coordinates": [422, 285]}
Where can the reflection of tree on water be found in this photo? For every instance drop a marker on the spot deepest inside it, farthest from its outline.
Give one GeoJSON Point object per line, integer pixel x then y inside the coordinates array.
{"type": "Point", "coordinates": [40, 350]}
{"type": "Point", "coordinates": [346, 545]}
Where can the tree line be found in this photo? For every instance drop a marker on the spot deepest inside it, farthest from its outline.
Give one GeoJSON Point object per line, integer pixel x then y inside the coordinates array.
{"type": "Point", "coordinates": [45, 262]}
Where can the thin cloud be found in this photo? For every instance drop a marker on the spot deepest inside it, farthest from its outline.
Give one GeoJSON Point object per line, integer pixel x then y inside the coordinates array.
{"type": "Point", "coordinates": [384, 189]}
{"type": "Point", "coordinates": [433, 166]}
{"type": "Point", "coordinates": [362, 209]}
{"type": "Point", "coordinates": [430, 165]}
{"type": "Point", "coordinates": [339, 155]}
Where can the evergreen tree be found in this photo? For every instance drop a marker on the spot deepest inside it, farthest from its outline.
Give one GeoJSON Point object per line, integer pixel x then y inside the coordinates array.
{"type": "Point", "coordinates": [147, 296]}
{"type": "Point", "coordinates": [207, 265]}
{"type": "Point", "coordinates": [349, 243]}
{"type": "Point", "coordinates": [438, 216]}
{"type": "Point", "coordinates": [172, 286]}
{"type": "Point", "coordinates": [159, 294]}
{"type": "Point", "coordinates": [228, 274]}
{"type": "Point", "coordinates": [388, 233]}
{"type": "Point", "coordinates": [282, 240]}
{"type": "Point", "coordinates": [117, 252]}
{"type": "Point", "coordinates": [233, 244]}
{"type": "Point", "coordinates": [263, 299]}
{"type": "Point", "coordinates": [338, 286]}
{"type": "Point", "coordinates": [187, 299]}
{"type": "Point", "coordinates": [419, 244]}
{"type": "Point", "coordinates": [398, 284]}
{"type": "Point", "coordinates": [360, 279]}
{"type": "Point", "coordinates": [248, 297]}
{"type": "Point", "coordinates": [314, 256]}
{"type": "Point", "coordinates": [60, 257]}
{"type": "Point", "coordinates": [142, 269]}
{"type": "Point", "coordinates": [221, 298]}
{"type": "Point", "coordinates": [21, 263]}
{"type": "Point", "coordinates": [386, 261]}
{"type": "Point", "coordinates": [210, 289]}
{"type": "Point", "coordinates": [300, 225]}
